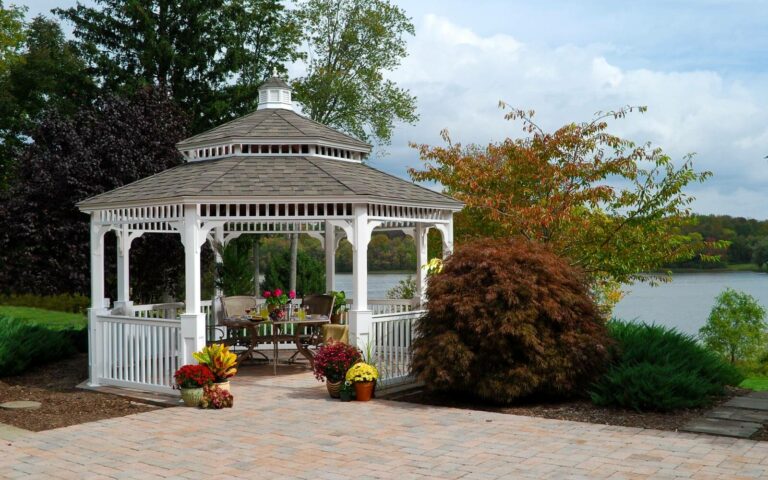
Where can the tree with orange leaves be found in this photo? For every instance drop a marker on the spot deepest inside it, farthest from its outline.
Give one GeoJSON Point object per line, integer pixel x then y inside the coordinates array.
{"type": "Point", "coordinates": [612, 207]}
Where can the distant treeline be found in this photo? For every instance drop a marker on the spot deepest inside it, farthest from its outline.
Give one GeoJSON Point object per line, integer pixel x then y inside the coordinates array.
{"type": "Point", "coordinates": [748, 242]}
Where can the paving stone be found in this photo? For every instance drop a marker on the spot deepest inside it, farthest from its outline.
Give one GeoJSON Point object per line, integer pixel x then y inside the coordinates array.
{"type": "Point", "coordinates": [20, 405]}
{"type": "Point", "coordinates": [752, 403]}
{"type": "Point", "coordinates": [719, 426]}
{"type": "Point", "coordinates": [9, 432]}
{"type": "Point", "coordinates": [739, 414]}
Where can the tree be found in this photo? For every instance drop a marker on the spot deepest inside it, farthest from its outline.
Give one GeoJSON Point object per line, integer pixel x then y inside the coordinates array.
{"type": "Point", "coordinates": [351, 45]}
{"type": "Point", "coordinates": [47, 74]}
{"type": "Point", "coordinates": [310, 277]}
{"type": "Point", "coordinates": [612, 207]}
{"type": "Point", "coordinates": [210, 54]}
{"type": "Point", "coordinates": [507, 318]}
{"type": "Point", "coordinates": [103, 146]}
{"type": "Point", "coordinates": [235, 273]}
{"type": "Point", "coordinates": [11, 34]}
{"type": "Point", "coordinates": [736, 327]}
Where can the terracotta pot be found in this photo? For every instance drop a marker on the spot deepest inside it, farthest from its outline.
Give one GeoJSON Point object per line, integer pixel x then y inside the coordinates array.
{"type": "Point", "coordinates": [223, 386]}
{"type": "Point", "coordinates": [336, 318]}
{"type": "Point", "coordinates": [333, 388]}
{"type": "Point", "coordinates": [363, 391]}
{"type": "Point", "coordinates": [192, 396]}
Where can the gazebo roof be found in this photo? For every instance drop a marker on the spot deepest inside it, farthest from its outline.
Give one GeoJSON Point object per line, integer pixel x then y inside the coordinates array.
{"type": "Point", "coordinates": [274, 124]}
{"type": "Point", "coordinates": [270, 177]}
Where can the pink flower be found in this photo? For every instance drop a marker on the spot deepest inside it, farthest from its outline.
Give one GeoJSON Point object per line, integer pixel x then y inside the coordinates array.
{"type": "Point", "coordinates": [267, 294]}
{"type": "Point", "coordinates": [291, 294]}
{"type": "Point", "coordinates": [278, 292]}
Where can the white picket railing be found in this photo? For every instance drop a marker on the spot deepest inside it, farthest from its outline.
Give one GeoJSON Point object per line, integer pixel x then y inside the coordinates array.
{"type": "Point", "coordinates": [137, 352]}
{"type": "Point", "coordinates": [158, 310]}
{"type": "Point", "coordinates": [392, 305]}
{"type": "Point", "coordinates": [392, 338]}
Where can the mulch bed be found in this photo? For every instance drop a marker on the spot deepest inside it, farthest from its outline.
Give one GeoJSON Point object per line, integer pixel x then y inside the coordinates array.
{"type": "Point", "coordinates": [53, 385]}
{"type": "Point", "coordinates": [582, 411]}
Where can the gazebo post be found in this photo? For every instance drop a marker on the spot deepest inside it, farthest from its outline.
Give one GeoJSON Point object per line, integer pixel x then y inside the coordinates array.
{"type": "Point", "coordinates": [192, 320]}
{"type": "Point", "coordinates": [360, 317]}
{"type": "Point", "coordinates": [330, 257]}
{"type": "Point", "coordinates": [98, 302]}
{"type": "Point", "coordinates": [123, 270]}
{"type": "Point", "coordinates": [420, 235]}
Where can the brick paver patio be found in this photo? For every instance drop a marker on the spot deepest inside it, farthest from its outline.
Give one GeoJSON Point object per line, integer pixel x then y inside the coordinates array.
{"type": "Point", "coordinates": [285, 427]}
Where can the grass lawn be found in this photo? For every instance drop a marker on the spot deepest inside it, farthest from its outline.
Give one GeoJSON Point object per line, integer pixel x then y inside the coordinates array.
{"type": "Point", "coordinates": [49, 318]}
{"type": "Point", "coordinates": [757, 383]}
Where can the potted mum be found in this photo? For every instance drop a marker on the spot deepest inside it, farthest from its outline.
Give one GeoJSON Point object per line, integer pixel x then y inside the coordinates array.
{"type": "Point", "coordinates": [276, 302]}
{"type": "Point", "coordinates": [363, 376]}
{"type": "Point", "coordinates": [221, 362]}
{"type": "Point", "coordinates": [192, 380]}
{"type": "Point", "coordinates": [332, 362]}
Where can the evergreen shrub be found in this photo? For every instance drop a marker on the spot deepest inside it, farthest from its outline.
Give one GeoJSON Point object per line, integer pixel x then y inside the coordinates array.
{"type": "Point", "coordinates": [23, 345]}
{"type": "Point", "coordinates": [507, 318]}
{"type": "Point", "coordinates": [658, 368]}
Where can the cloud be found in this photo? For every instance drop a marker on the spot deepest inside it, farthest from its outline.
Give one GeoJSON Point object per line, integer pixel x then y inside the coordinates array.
{"type": "Point", "coordinates": [459, 77]}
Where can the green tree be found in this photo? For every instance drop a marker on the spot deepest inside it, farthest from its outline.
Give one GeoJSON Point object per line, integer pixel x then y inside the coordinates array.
{"type": "Point", "coordinates": [47, 74]}
{"type": "Point", "coordinates": [210, 54]}
{"type": "Point", "coordinates": [736, 327]}
{"type": "Point", "coordinates": [310, 276]}
{"type": "Point", "coordinates": [351, 45]}
{"type": "Point", "coordinates": [234, 275]}
{"type": "Point", "coordinates": [11, 34]}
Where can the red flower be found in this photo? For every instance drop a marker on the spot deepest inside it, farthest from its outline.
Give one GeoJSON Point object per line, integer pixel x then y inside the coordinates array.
{"type": "Point", "coordinates": [278, 292]}
{"type": "Point", "coordinates": [193, 376]}
{"type": "Point", "coordinates": [291, 294]}
{"type": "Point", "coordinates": [267, 294]}
{"type": "Point", "coordinates": [334, 359]}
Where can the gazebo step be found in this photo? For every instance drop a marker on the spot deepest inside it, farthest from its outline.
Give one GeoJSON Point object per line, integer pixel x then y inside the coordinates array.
{"type": "Point", "coordinates": [149, 398]}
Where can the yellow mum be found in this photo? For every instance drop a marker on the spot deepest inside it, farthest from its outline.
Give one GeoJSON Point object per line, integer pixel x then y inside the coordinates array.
{"type": "Point", "coordinates": [362, 372]}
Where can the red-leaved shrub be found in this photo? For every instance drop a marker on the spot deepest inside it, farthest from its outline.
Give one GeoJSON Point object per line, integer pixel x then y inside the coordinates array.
{"type": "Point", "coordinates": [506, 319]}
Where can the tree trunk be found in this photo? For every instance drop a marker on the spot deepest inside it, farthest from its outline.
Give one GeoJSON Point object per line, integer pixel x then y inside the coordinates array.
{"type": "Point", "coordinates": [256, 268]}
{"type": "Point", "coordinates": [294, 260]}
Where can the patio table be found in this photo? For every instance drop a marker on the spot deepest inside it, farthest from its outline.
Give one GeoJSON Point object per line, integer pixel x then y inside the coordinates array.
{"type": "Point", "coordinates": [252, 326]}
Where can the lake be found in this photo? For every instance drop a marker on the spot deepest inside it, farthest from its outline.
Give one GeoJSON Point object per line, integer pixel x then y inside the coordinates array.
{"type": "Point", "coordinates": [684, 303]}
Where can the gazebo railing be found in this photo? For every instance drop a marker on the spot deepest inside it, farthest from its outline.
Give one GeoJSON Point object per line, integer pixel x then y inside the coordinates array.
{"type": "Point", "coordinates": [392, 336]}
{"type": "Point", "coordinates": [392, 305]}
{"type": "Point", "coordinates": [137, 352]}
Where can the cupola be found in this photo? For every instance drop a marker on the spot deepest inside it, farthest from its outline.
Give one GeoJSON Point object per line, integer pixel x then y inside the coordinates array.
{"type": "Point", "coordinates": [275, 93]}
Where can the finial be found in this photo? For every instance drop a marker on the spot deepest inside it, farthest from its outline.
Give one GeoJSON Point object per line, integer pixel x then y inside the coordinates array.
{"type": "Point", "coordinates": [274, 71]}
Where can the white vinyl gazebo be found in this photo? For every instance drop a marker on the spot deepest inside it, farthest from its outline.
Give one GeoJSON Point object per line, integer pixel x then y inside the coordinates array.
{"type": "Point", "coordinates": [271, 171]}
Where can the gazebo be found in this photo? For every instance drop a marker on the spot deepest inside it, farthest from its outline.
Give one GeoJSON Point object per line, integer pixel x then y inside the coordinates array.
{"type": "Point", "coordinates": [271, 171]}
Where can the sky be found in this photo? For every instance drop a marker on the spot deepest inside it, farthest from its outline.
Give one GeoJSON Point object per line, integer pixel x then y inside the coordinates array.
{"type": "Point", "coordinates": [700, 66]}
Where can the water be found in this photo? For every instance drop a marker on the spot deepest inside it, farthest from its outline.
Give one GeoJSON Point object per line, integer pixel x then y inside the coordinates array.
{"type": "Point", "coordinates": [685, 302]}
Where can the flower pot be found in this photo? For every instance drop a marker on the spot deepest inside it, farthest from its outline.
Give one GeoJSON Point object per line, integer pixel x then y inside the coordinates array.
{"type": "Point", "coordinates": [223, 385]}
{"type": "Point", "coordinates": [346, 395]}
{"type": "Point", "coordinates": [192, 396]}
{"type": "Point", "coordinates": [336, 318]}
{"type": "Point", "coordinates": [333, 388]}
{"type": "Point", "coordinates": [363, 391]}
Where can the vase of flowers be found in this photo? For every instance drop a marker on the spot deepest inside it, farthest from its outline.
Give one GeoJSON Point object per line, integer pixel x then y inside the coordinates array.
{"type": "Point", "coordinates": [277, 301]}
{"type": "Point", "coordinates": [191, 380]}
{"type": "Point", "coordinates": [221, 362]}
{"type": "Point", "coordinates": [331, 363]}
{"type": "Point", "coordinates": [339, 306]}
{"type": "Point", "coordinates": [347, 391]}
{"type": "Point", "coordinates": [363, 376]}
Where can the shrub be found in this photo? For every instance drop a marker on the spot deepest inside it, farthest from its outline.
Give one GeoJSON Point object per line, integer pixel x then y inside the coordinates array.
{"type": "Point", "coordinates": [60, 303]}
{"type": "Point", "coordinates": [736, 327]}
{"type": "Point", "coordinates": [658, 368]}
{"type": "Point", "coordinates": [507, 319]}
{"type": "Point", "coordinates": [23, 345]}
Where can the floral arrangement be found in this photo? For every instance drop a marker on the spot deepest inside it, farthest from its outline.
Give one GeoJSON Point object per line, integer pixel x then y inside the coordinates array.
{"type": "Point", "coordinates": [362, 372]}
{"type": "Point", "coordinates": [221, 362]}
{"type": "Point", "coordinates": [333, 359]}
{"type": "Point", "coordinates": [278, 299]}
{"type": "Point", "coordinates": [193, 376]}
{"type": "Point", "coordinates": [215, 397]}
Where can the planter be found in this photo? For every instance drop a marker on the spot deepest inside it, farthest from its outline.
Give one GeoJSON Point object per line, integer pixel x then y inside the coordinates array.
{"type": "Point", "coordinates": [192, 396]}
{"type": "Point", "coordinates": [346, 395]}
{"type": "Point", "coordinates": [333, 388]}
{"type": "Point", "coordinates": [336, 318]}
{"type": "Point", "coordinates": [223, 386]}
{"type": "Point", "coordinates": [363, 391]}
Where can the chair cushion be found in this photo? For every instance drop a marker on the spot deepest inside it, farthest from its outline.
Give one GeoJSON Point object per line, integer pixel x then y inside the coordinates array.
{"type": "Point", "coordinates": [339, 333]}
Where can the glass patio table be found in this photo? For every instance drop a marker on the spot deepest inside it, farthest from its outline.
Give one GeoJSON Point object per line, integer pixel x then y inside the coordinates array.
{"type": "Point", "coordinates": [279, 334]}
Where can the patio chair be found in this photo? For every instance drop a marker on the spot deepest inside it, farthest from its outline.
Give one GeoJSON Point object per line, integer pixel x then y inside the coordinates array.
{"type": "Point", "coordinates": [315, 305]}
{"type": "Point", "coordinates": [237, 335]}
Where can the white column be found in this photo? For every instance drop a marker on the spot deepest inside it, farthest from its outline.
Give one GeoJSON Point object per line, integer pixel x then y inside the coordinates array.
{"type": "Point", "coordinates": [448, 238]}
{"type": "Point", "coordinates": [420, 236]}
{"type": "Point", "coordinates": [98, 302]}
{"type": "Point", "coordinates": [123, 303]}
{"type": "Point", "coordinates": [360, 317]}
{"type": "Point", "coordinates": [330, 257]}
{"type": "Point", "coordinates": [192, 320]}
